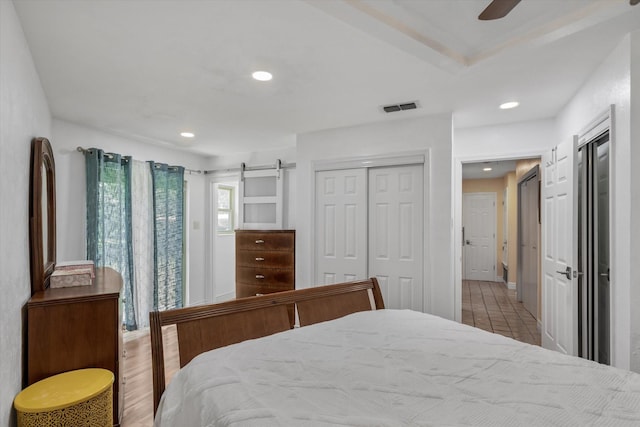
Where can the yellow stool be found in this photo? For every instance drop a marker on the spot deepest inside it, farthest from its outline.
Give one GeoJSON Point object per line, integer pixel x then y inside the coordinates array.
{"type": "Point", "coordinates": [76, 398]}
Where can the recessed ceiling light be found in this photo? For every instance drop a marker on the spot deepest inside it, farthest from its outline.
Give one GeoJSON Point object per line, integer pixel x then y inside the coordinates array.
{"type": "Point", "coordinates": [487, 169]}
{"type": "Point", "coordinates": [187, 134]}
{"type": "Point", "coordinates": [263, 76]}
{"type": "Point", "coordinates": [510, 104]}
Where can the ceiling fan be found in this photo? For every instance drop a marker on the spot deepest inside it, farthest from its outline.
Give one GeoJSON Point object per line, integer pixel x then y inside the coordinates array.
{"type": "Point", "coordinates": [500, 8]}
{"type": "Point", "coordinates": [497, 9]}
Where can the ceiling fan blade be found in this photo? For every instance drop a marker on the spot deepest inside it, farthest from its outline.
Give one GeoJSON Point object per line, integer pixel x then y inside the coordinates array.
{"type": "Point", "coordinates": [499, 9]}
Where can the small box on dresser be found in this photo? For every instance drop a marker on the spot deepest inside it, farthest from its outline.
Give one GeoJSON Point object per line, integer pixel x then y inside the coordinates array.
{"type": "Point", "coordinates": [265, 261]}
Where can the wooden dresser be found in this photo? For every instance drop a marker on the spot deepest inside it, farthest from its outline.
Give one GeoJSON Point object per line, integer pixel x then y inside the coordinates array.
{"type": "Point", "coordinates": [265, 261]}
{"type": "Point", "coordinates": [78, 327]}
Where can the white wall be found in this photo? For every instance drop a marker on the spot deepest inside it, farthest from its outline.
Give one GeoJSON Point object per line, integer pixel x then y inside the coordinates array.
{"type": "Point", "coordinates": [431, 134]}
{"type": "Point", "coordinates": [511, 141]}
{"type": "Point", "coordinates": [24, 114]}
{"type": "Point", "coordinates": [611, 84]}
{"type": "Point", "coordinates": [71, 203]}
{"type": "Point", "coordinates": [502, 142]}
{"type": "Point", "coordinates": [256, 158]}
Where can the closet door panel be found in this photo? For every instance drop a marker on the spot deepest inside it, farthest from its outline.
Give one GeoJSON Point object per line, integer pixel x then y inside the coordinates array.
{"type": "Point", "coordinates": [341, 226]}
{"type": "Point", "coordinates": [396, 234]}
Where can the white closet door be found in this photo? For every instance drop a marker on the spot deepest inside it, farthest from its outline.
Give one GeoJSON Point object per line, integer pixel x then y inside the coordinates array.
{"type": "Point", "coordinates": [341, 226]}
{"type": "Point", "coordinates": [396, 234]}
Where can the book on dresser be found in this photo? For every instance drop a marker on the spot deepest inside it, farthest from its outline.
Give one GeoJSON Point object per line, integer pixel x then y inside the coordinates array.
{"type": "Point", "coordinates": [265, 261]}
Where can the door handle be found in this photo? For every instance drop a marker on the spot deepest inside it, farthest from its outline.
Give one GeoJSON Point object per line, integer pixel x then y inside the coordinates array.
{"type": "Point", "coordinates": [606, 274]}
{"type": "Point", "coordinates": [468, 242]}
{"type": "Point", "coordinates": [566, 273]}
{"type": "Point", "coordinates": [259, 276]}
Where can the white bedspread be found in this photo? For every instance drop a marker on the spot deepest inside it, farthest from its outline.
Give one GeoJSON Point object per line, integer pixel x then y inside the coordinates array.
{"type": "Point", "coordinates": [391, 368]}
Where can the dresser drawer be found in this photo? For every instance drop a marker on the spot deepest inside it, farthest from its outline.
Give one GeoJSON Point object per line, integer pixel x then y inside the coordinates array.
{"type": "Point", "coordinates": [265, 276]}
{"type": "Point", "coordinates": [265, 259]}
{"type": "Point", "coordinates": [246, 290]}
{"type": "Point", "coordinates": [259, 241]}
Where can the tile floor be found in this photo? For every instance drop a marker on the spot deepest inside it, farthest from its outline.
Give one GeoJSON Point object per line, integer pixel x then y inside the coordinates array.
{"type": "Point", "coordinates": [493, 307]}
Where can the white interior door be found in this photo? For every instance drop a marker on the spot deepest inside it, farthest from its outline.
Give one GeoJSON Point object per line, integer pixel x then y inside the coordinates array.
{"type": "Point", "coordinates": [396, 234]}
{"type": "Point", "coordinates": [341, 226]}
{"type": "Point", "coordinates": [479, 222]}
{"type": "Point", "coordinates": [559, 249]}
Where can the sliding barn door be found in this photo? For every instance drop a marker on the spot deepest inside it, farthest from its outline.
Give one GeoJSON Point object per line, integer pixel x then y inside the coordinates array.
{"type": "Point", "coordinates": [341, 226]}
{"type": "Point", "coordinates": [396, 234]}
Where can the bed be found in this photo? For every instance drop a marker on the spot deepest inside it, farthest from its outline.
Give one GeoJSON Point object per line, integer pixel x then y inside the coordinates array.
{"type": "Point", "coordinates": [352, 362]}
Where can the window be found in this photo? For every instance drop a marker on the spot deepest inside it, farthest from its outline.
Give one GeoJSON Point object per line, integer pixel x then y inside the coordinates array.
{"type": "Point", "coordinates": [135, 224]}
{"type": "Point", "coordinates": [225, 223]}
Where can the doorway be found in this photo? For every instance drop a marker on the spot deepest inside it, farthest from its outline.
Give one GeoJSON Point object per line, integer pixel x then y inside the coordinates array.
{"type": "Point", "coordinates": [370, 222]}
{"type": "Point", "coordinates": [528, 238]}
{"type": "Point", "coordinates": [594, 331]}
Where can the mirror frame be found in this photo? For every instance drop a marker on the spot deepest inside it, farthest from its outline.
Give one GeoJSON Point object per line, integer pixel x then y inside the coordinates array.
{"type": "Point", "coordinates": [42, 155]}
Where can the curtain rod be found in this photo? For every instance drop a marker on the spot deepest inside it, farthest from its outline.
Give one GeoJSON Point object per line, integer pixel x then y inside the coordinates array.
{"type": "Point", "coordinates": [251, 168]}
{"type": "Point", "coordinates": [110, 156]}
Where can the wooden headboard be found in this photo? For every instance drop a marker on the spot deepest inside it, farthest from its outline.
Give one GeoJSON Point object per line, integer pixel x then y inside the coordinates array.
{"type": "Point", "coordinates": [206, 327]}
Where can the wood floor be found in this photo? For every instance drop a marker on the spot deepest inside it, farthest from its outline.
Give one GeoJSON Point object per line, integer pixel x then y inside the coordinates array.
{"type": "Point", "coordinates": [485, 305]}
{"type": "Point", "coordinates": [138, 387]}
{"type": "Point", "coordinates": [493, 307]}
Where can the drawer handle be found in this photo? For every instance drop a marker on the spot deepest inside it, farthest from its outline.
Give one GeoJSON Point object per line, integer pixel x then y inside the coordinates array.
{"type": "Point", "coordinates": [259, 276]}
{"type": "Point", "coordinates": [259, 259]}
{"type": "Point", "coordinates": [259, 241]}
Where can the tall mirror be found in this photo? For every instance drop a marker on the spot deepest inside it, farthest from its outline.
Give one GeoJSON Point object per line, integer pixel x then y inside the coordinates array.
{"type": "Point", "coordinates": [42, 214]}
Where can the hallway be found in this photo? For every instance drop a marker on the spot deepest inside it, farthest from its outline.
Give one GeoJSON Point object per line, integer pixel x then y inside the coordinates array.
{"type": "Point", "coordinates": [493, 307]}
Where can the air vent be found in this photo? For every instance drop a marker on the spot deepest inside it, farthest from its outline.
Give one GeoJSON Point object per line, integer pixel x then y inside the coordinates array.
{"type": "Point", "coordinates": [400, 107]}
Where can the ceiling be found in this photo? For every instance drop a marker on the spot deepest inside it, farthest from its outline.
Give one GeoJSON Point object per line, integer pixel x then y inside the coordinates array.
{"type": "Point", "coordinates": [150, 69]}
{"type": "Point", "coordinates": [498, 169]}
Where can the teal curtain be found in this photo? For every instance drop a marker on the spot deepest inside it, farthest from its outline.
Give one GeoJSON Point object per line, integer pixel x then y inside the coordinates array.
{"type": "Point", "coordinates": [109, 233]}
{"type": "Point", "coordinates": [168, 204]}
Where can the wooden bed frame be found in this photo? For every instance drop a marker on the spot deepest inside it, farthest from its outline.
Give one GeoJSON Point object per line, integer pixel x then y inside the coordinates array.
{"type": "Point", "coordinates": [206, 327]}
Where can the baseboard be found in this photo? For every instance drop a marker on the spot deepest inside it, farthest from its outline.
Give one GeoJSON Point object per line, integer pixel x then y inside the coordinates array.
{"type": "Point", "coordinates": [511, 286]}
{"type": "Point", "coordinates": [499, 279]}
{"type": "Point", "coordinates": [226, 297]}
